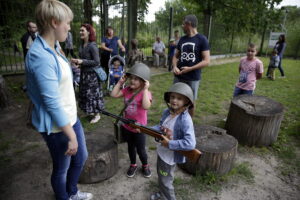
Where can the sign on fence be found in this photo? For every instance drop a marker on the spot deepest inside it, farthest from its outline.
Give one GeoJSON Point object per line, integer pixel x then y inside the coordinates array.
{"type": "Point", "coordinates": [274, 38]}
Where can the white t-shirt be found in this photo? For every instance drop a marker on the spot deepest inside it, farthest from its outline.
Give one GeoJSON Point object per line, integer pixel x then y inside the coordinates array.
{"type": "Point", "coordinates": [67, 94]}
{"type": "Point", "coordinates": [164, 153]}
{"type": "Point", "coordinates": [159, 47]}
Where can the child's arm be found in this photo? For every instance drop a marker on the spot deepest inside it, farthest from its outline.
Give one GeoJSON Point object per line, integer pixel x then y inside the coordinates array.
{"type": "Point", "coordinates": [116, 92]}
{"type": "Point", "coordinates": [146, 98]}
{"type": "Point", "coordinates": [259, 70]}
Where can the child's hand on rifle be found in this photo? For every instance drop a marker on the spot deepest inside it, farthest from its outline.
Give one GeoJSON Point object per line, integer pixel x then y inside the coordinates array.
{"type": "Point", "coordinates": [167, 132]}
{"type": "Point", "coordinates": [165, 141]}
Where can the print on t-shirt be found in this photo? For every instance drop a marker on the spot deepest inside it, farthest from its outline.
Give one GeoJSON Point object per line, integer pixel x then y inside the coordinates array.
{"type": "Point", "coordinates": [188, 52]}
{"type": "Point", "coordinates": [132, 107]}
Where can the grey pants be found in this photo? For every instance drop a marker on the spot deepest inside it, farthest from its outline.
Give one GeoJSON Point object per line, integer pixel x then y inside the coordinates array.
{"type": "Point", "coordinates": [165, 179]}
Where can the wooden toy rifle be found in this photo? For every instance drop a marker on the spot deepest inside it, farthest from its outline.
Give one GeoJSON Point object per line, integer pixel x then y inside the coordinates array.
{"type": "Point", "coordinates": [192, 155]}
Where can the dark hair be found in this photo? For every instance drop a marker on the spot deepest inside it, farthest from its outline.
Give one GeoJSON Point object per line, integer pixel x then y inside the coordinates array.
{"type": "Point", "coordinates": [192, 19]}
{"type": "Point", "coordinates": [275, 51]}
{"type": "Point", "coordinates": [176, 31]}
{"type": "Point", "coordinates": [91, 30]}
{"type": "Point", "coordinates": [28, 22]}
{"type": "Point", "coordinates": [106, 30]}
{"type": "Point", "coordinates": [252, 46]}
{"type": "Point", "coordinates": [282, 36]}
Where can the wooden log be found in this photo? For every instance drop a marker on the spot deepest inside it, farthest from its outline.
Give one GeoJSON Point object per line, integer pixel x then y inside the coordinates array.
{"type": "Point", "coordinates": [4, 99]}
{"type": "Point", "coordinates": [254, 120]}
{"type": "Point", "coordinates": [102, 162]}
{"type": "Point", "coordinates": [218, 151]}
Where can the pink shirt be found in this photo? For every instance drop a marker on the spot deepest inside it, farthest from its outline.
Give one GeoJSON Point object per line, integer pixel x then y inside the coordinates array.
{"type": "Point", "coordinates": [135, 109]}
{"type": "Point", "coordinates": [249, 69]}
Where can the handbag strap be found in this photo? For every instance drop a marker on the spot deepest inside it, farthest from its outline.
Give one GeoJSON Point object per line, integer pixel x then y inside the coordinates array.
{"type": "Point", "coordinates": [127, 104]}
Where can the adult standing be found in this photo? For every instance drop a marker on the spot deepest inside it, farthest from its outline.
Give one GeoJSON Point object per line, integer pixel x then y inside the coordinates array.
{"type": "Point", "coordinates": [90, 88]}
{"type": "Point", "coordinates": [158, 50]}
{"type": "Point", "coordinates": [192, 54]}
{"type": "Point", "coordinates": [50, 88]}
{"type": "Point", "coordinates": [280, 47]}
{"type": "Point", "coordinates": [109, 45]}
{"type": "Point", "coordinates": [28, 38]}
{"type": "Point", "coordinates": [176, 36]}
{"type": "Point", "coordinates": [69, 48]}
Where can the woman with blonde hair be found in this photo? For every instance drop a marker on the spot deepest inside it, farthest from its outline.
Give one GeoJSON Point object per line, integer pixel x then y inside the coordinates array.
{"type": "Point", "coordinates": [50, 88]}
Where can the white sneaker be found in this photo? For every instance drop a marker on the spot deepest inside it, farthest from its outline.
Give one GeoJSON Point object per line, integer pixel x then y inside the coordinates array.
{"type": "Point", "coordinates": [95, 119]}
{"type": "Point", "coordinates": [81, 196]}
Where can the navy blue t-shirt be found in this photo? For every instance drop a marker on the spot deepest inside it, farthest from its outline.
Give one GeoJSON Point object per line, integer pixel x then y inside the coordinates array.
{"type": "Point", "coordinates": [190, 49]}
{"type": "Point", "coordinates": [112, 44]}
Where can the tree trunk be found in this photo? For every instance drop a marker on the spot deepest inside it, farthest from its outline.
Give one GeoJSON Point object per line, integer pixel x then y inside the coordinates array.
{"type": "Point", "coordinates": [254, 120]}
{"type": "Point", "coordinates": [88, 11]}
{"type": "Point", "coordinates": [218, 151]}
{"type": "Point", "coordinates": [4, 100]}
{"type": "Point", "coordinates": [102, 162]}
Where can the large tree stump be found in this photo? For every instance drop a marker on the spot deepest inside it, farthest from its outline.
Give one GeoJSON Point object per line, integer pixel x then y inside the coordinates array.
{"type": "Point", "coordinates": [4, 100]}
{"type": "Point", "coordinates": [254, 120]}
{"type": "Point", "coordinates": [218, 151]}
{"type": "Point", "coordinates": [102, 162]}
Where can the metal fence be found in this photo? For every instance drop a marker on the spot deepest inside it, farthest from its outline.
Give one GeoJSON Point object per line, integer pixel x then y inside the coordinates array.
{"type": "Point", "coordinates": [11, 53]}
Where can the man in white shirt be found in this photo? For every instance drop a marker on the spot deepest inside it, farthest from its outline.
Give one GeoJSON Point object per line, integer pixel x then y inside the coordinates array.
{"type": "Point", "coordinates": [158, 50]}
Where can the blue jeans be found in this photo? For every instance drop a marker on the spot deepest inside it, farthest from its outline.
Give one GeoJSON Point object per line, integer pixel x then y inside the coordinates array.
{"type": "Point", "coordinates": [238, 91]}
{"type": "Point", "coordinates": [66, 169]}
{"type": "Point", "coordinates": [193, 84]}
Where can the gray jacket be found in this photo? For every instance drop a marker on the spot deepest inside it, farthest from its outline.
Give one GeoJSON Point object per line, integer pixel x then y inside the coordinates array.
{"type": "Point", "coordinates": [90, 56]}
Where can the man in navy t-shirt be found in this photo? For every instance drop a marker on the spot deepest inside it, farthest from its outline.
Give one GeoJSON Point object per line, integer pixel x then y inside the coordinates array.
{"type": "Point", "coordinates": [191, 55]}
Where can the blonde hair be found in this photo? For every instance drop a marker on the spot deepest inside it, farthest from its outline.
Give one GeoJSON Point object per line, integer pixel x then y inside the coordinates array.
{"type": "Point", "coordinates": [47, 10]}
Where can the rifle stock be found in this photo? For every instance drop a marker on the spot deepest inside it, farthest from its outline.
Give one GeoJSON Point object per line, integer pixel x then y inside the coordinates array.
{"type": "Point", "coordinates": [192, 155]}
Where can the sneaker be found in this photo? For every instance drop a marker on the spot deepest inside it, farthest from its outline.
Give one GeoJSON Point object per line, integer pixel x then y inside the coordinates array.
{"type": "Point", "coordinates": [155, 196]}
{"type": "Point", "coordinates": [146, 171]}
{"type": "Point", "coordinates": [81, 196]}
{"type": "Point", "coordinates": [95, 119]}
{"type": "Point", "coordinates": [131, 171]}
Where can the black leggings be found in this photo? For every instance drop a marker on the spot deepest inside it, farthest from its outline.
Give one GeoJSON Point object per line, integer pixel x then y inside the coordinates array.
{"type": "Point", "coordinates": [136, 144]}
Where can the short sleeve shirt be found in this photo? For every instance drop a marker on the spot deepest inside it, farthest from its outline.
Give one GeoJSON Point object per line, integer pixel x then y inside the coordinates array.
{"type": "Point", "coordinates": [135, 109]}
{"type": "Point", "coordinates": [190, 49]}
{"type": "Point", "coordinates": [249, 69]}
{"type": "Point", "coordinates": [112, 44]}
{"type": "Point", "coordinates": [159, 47]}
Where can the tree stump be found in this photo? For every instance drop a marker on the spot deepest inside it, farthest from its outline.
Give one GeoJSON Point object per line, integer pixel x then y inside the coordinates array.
{"type": "Point", "coordinates": [218, 151]}
{"type": "Point", "coordinates": [254, 120]}
{"type": "Point", "coordinates": [102, 162]}
{"type": "Point", "coordinates": [4, 100]}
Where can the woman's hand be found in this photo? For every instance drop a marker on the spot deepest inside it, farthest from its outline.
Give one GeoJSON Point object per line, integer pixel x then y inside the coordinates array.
{"type": "Point", "coordinates": [76, 62]}
{"type": "Point", "coordinates": [72, 147]}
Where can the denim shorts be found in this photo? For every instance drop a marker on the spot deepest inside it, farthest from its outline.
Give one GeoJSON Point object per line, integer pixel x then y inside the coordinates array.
{"type": "Point", "coordinates": [193, 84]}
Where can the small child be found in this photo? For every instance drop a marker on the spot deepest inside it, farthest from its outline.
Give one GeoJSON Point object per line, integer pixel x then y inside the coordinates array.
{"type": "Point", "coordinates": [138, 76]}
{"type": "Point", "coordinates": [250, 69]}
{"type": "Point", "coordinates": [76, 75]}
{"type": "Point", "coordinates": [116, 72]}
{"type": "Point", "coordinates": [274, 62]}
{"type": "Point", "coordinates": [177, 123]}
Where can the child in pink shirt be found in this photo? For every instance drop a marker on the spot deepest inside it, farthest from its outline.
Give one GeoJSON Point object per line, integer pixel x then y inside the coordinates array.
{"type": "Point", "coordinates": [138, 76]}
{"type": "Point", "coordinates": [250, 69]}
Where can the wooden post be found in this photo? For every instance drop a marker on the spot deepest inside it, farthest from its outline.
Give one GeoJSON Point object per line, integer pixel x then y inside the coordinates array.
{"type": "Point", "coordinates": [254, 120]}
{"type": "Point", "coordinates": [218, 151]}
{"type": "Point", "coordinates": [4, 100]}
{"type": "Point", "coordinates": [102, 162]}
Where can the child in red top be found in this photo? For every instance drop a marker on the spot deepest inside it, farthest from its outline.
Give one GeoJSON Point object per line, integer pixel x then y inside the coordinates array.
{"type": "Point", "coordinates": [138, 76]}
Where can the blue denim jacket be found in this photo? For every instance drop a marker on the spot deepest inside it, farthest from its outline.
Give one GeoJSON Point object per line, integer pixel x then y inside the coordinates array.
{"type": "Point", "coordinates": [43, 75]}
{"type": "Point", "coordinates": [183, 134]}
